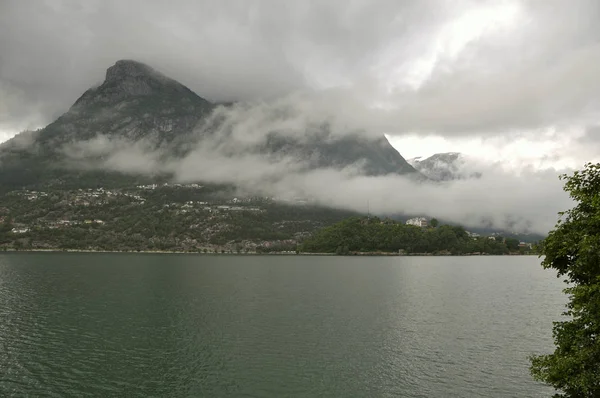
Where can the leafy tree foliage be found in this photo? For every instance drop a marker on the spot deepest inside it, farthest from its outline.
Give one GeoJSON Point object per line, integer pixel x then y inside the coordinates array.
{"type": "Point", "coordinates": [573, 250]}
{"type": "Point", "coordinates": [512, 244]}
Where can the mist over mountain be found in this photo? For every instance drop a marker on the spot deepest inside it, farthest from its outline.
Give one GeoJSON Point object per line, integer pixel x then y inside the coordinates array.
{"type": "Point", "coordinates": [140, 122]}
{"type": "Point", "coordinates": [139, 126]}
{"type": "Point", "coordinates": [445, 166]}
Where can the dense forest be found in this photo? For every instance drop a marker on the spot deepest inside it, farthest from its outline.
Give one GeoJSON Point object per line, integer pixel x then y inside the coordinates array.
{"type": "Point", "coordinates": [374, 235]}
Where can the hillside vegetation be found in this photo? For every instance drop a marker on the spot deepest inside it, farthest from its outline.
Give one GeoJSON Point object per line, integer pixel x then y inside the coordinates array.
{"type": "Point", "coordinates": [388, 236]}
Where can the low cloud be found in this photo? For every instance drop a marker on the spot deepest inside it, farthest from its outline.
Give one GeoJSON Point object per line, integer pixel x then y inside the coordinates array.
{"type": "Point", "coordinates": [115, 154]}
{"type": "Point", "coordinates": [226, 150]}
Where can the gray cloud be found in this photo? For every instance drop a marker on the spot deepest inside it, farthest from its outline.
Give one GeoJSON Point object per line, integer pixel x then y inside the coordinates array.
{"type": "Point", "coordinates": [53, 50]}
{"type": "Point", "coordinates": [539, 72]}
{"type": "Point", "coordinates": [591, 136]}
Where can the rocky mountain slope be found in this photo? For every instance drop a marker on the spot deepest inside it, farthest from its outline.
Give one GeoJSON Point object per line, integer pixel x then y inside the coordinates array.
{"type": "Point", "coordinates": [136, 103]}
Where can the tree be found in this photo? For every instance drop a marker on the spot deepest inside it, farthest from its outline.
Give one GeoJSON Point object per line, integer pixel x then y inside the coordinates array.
{"type": "Point", "coordinates": [512, 244]}
{"type": "Point", "coordinates": [434, 222]}
{"type": "Point", "coordinates": [573, 250]}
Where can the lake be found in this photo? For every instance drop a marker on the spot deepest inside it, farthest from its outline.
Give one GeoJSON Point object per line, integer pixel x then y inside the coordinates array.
{"type": "Point", "coordinates": [168, 325]}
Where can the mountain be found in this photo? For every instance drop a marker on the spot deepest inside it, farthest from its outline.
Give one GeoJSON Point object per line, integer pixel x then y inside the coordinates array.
{"type": "Point", "coordinates": [136, 103]}
{"type": "Point", "coordinates": [133, 102]}
{"type": "Point", "coordinates": [444, 166]}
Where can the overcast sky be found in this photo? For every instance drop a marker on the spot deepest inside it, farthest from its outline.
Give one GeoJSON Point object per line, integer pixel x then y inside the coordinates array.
{"type": "Point", "coordinates": [468, 69]}
{"type": "Point", "coordinates": [502, 80]}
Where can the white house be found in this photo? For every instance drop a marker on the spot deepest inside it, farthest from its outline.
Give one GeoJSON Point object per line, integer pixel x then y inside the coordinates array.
{"type": "Point", "coordinates": [418, 221]}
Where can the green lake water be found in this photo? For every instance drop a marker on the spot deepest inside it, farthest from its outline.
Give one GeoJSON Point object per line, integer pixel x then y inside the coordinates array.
{"type": "Point", "coordinates": [152, 325]}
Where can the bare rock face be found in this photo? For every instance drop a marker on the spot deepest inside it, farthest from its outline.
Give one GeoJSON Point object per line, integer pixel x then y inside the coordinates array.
{"type": "Point", "coordinates": [125, 69]}
{"type": "Point", "coordinates": [134, 78]}
{"type": "Point", "coordinates": [128, 79]}
{"type": "Point", "coordinates": [133, 101]}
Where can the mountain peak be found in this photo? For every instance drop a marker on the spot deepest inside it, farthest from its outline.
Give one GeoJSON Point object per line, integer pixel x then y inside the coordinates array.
{"type": "Point", "coordinates": [128, 80]}
{"type": "Point", "coordinates": [126, 69]}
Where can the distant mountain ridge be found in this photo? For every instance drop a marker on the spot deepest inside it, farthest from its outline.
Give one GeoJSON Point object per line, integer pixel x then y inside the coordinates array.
{"type": "Point", "coordinates": [444, 166]}
{"type": "Point", "coordinates": [136, 102]}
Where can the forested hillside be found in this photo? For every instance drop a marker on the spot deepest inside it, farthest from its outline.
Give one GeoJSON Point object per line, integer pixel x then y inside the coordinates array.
{"type": "Point", "coordinates": [387, 236]}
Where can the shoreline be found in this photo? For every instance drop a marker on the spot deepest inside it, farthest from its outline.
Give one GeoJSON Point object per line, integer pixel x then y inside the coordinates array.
{"type": "Point", "coordinates": [355, 254]}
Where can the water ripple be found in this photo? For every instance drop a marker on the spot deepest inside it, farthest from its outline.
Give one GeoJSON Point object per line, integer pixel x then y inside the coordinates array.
{"type": "Point", "coordinates": [177, 326]}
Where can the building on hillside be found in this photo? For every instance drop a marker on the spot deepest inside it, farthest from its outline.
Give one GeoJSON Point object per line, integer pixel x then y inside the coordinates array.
{"type": "Point", "coordinates": [525, 245]}
{"type": "Point", "coordinates": [418, 221]}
